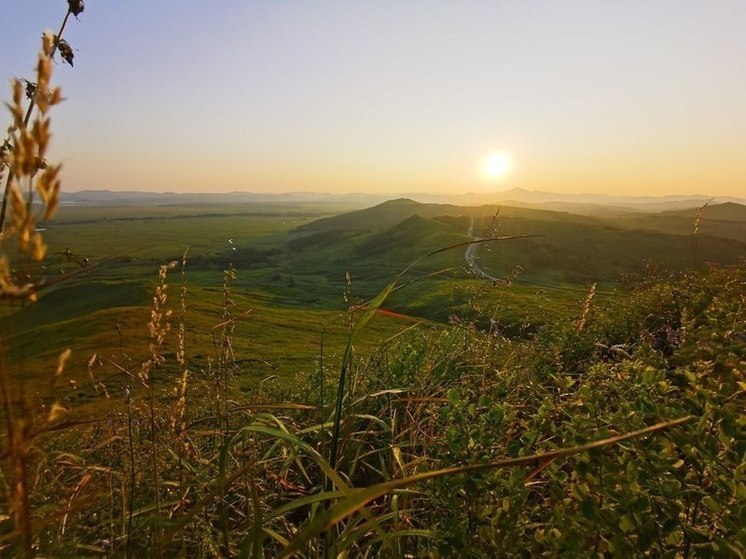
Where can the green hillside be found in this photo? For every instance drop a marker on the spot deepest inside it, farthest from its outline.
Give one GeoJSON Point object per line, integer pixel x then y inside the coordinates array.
{"type": "Point", "coordinates": [570, 249]}
{"type": "Point", "coordinates": [306, 260]}
{"type": "Point", "coordinates": [727, 221]}
{"type": "Point", "coordinates": [378, 217]}
{"type": "Point", "coordinates": [300, 256]}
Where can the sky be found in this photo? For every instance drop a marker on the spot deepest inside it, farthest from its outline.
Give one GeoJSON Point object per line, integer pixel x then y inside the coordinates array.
{"type": "Point", "coordinates": [393, 96]}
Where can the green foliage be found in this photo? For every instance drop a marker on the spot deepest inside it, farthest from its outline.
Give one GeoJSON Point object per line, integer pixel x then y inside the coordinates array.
{"type": "Point", "coordinates": [440, 443]}
{"type": "Point", "coordinates": [236, 465]}
{"type": "Point", "coordinates": [666, 348]}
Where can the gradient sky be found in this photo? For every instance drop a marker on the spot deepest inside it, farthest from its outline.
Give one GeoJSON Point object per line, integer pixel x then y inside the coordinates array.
{"type": "Point", "coordinates": [391, 96]}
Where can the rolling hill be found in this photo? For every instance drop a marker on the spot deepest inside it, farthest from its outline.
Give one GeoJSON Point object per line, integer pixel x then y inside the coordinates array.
{"type": "Point", "coordinates": [571, 248]}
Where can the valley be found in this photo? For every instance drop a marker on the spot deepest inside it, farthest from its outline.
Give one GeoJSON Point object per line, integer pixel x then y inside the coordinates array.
{"type": "Point", "coordinates": [210, 337]}
{"type": "Point", "coordinates": [300, 265]}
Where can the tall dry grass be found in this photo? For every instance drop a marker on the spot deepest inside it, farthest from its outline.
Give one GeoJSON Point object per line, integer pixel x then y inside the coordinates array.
{"type": "Point", "coordinates": [28, 177]}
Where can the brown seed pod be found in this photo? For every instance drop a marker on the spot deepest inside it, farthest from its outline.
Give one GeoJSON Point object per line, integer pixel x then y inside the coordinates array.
{"type": "Point", "coordinates": [76, 7]}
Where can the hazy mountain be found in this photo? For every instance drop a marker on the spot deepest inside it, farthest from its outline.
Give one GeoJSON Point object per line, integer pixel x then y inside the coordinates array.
{"type": "Point", "coordinates": [728, 211]}
{"type": "Point", "coordinates": [590, 204]}
{"type": "Point", "coordinates": [136, 198]}
{"type": "Point", "coordinates": [577, 203]}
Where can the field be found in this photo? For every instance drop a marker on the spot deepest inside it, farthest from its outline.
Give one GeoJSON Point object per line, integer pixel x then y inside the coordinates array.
{"type": "Point", "coordinates": [293, 262]}
{"type": "Point", "coordinates": [299, 266]}
{"type": "Point", "coordinates": [277, 331]}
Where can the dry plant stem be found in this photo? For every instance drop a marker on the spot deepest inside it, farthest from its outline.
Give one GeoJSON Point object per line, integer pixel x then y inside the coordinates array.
{"type": "Point", "coordinates": [178, 426]}
{"type": "Point", "coordinates": [23, 423]}
{"type": "Point", "coordinates": [156, 471]}
{"type": "Point", "coordinates": [19, 490]}
{"type": "Point", "coordinates": [130, 504]}
{"type": "Point", "coordinates": [110, 480]}
{"type": "Point", "coordinates": [695, 232]}
{"type": "Point", "coordinates": [26, 119]}
{"type": "Point", "coordinates": [158, 327]}
{"type": "Point", "coordinates": [322, 431]}
{"type": "Point", "coordinates": [224, 358]}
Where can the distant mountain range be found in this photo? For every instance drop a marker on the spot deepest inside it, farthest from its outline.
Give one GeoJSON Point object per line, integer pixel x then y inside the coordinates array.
{"type": "Point", "coordinates": [577, 203]}
{"type": "Point", "coordinates": [135, 197]}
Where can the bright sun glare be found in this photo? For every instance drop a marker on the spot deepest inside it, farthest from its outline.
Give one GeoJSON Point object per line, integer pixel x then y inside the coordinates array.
{"type": "Point", "coordinates": [496, 165]}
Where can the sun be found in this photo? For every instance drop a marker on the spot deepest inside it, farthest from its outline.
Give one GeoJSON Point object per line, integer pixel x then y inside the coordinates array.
{"type": "Point", "coordinates": [496, 165]}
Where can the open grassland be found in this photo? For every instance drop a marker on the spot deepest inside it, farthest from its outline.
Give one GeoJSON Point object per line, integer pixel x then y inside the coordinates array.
{"type": "Point", "coordinates": [160, 232]}
{"type": "Point", "coordinates": [107, 323]}
{"type": "Point", "coordinates": [287, 391]}
{"type": "Point", "coordinates": [298, 266]}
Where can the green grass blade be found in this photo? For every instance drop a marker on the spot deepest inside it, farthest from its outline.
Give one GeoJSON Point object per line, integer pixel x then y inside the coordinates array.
{"type": "Point", "coordinates": [361, 497]}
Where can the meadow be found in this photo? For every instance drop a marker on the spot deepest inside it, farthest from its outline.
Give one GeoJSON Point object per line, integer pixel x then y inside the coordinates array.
{"type": "Point", "coordinates": [285, 369]}
{"type": "Point", "coordinates": [299, 265]}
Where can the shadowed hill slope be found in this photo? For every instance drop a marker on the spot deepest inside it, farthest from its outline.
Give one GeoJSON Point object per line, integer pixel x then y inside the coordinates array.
{"type": "Point", "coordinates": [727, 221]}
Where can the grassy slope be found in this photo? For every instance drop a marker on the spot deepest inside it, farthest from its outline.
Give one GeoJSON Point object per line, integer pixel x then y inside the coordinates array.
{"type": "Point", "coordinates": [269, 341]}
{"type": "Point", "coordinates": [575, 250]}
{"type": "Point", "coordinates": [292, 267]}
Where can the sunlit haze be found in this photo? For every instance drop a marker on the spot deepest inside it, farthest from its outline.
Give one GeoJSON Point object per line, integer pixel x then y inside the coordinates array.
{"type": "Point", "coordinates": [496, 166]}
{"type": "Point", "coordinates": [396, 97]}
